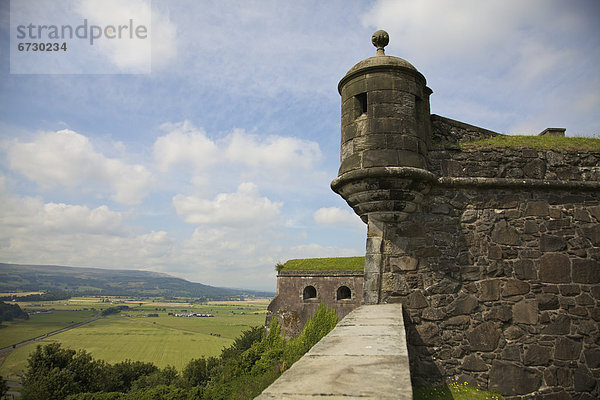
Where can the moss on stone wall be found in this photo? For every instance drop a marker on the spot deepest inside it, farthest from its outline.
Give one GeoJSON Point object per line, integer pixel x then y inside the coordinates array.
{"type": "Point", "coordinates": [536, 143]}
{"type": "Point", "coordinates": [322, 264]}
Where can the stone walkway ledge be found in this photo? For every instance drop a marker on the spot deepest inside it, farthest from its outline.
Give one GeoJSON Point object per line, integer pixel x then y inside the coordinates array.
{"type": "Point", "coordinates": [364, 357]}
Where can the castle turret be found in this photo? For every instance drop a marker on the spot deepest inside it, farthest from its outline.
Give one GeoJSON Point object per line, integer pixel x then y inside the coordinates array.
{"type": "Point", "coordinates": [385, 136]}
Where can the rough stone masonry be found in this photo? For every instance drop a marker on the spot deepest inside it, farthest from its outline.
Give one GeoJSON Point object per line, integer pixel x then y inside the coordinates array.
{"type": "Point", "coordinates": [494, 253]}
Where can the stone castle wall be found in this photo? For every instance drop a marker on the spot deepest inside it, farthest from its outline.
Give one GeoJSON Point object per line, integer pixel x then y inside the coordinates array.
{"type": "Point", "coordinates": [295, 302]}
{"type": "Point", "coordinates": [498, 268]}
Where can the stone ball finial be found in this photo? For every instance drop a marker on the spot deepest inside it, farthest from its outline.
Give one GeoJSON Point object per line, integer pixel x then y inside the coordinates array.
{"type": "Point", "coordinates": [380, 39]}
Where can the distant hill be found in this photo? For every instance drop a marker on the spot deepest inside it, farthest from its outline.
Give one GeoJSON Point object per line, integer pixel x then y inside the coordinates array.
{"type": "Point", "coordinates": [108, 282]}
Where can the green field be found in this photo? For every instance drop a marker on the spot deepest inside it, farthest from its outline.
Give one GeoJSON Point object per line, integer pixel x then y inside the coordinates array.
{"type": "Point", "coordinates": [17, 331]}
{"type": "Point", "coordinates": [163, 340]}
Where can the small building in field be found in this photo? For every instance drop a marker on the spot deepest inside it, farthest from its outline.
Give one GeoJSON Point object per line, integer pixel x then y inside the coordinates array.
{"type": "Point", "coordinates": [303, 284]}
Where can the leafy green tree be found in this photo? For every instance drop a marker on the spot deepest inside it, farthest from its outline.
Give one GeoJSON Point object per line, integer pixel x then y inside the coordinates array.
{"type": "Point", "coordinates": [166, 377]}
{"type": "Point", "coordinates": [199, 371]}
{"type": "Point", "coordinates": [123, 374]}
{"type": "Point", "coordinates": [243, 343]}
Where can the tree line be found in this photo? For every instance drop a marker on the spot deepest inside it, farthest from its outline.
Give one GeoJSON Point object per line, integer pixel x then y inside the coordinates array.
{"type": "Point", "coordinates": [242, 371]}
{"type": "Point", "coordinates": [8, 312]}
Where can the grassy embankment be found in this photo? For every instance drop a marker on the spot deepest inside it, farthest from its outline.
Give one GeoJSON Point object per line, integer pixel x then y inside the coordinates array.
{"type": "Point", "coordinates": [454, 391]}
{"type": "Point", "coordinates": [163, 340]}
{"type": "Point", "coordinates": [323, 264]}
{"type": "Point", "coordinates": [542, 143]}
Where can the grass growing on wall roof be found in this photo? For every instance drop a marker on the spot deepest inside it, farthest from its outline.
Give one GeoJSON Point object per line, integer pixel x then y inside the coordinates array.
{"type": "Point", "coordinates": [323, 264]}
{"type": "Point", "coordinates": [544, 143]}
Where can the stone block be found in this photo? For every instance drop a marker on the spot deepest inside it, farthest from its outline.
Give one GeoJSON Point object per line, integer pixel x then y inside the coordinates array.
{"type": "Point", "coordinates": [537, 355]}
{"type": "Point", "coordinates": [592, 358]}
{"type": "Point", "coordinates": [535, 169]}
{"type": "Point", "coordinates": [526, 312]}
{"type": "Point", "coordinates": [511, 353]}
{"type": "Point", "coordinates": [416, 300]}
{"type": "Point", "coordinates": [550, 243]}
{"type": "Point", "coordinates": [474, 363]}
{"type": "Point", "coordinates": [489, 290]}
{"type": "Point", "coordinates": [592, 233]}
{"type": "Point", "coordinates": [514, 287]}
{"type": "Point", "coordinates": [499, 313]}
{"type": "Point", "coordinates": [547, 301]}
{"type": "Point", "coordinates": [581, 215]}
{"type": "Point", "coordinates": [373, 245]}
{"type": "Point", "coordinates": [350, 163]}
{"type": "Point", "coordinates": [426, 334]}
{"type": "Point", "coordinates": [392, 283]}
{"type": "Point", "coordinates": [505, 234]}
{"type": "Point", "coordinates": [586, 271]}
{"type": "Point", "coordinates": [403, 263]}
{"type": "Point", "coordinates": [460, 321]}
{"type": "Point", "coordinates": [464, 304]}
{"type": "Point", "coordinates": [584, 299]}
{"type": "Point", "coordinates": [555, 268]}
{"type": "Point", "coordinates": [567, 349]}
{"type": "Point", "coordinates": [569, 290]}
{"type": "Point", "coordinates": [558, 377]}
{"type": "Point", "coordinates": [373, 263]}
{"type": "Point", "coordinates": [433, 314]}
{"type": "Point", "coordinates": [494, 252]}
{"type": "Point", "coordinates": [483, 337]}
{"type": "Point", "coordinates": [595, 212]}
{"type": "Point", "coordinates": [537, 208]}
{"type": "Point", "coordinates": [369, 142]}
{"type": "Point", "coordinates": [380, 158]}
{"type": "Point", "coordinates": [524, 269]}
{"type": "Point", "coordinates": [511, 379]}
{"type": "Point", "coordinates": [583, 380]}
{"type": "Point", "coordinates": [445, 286]}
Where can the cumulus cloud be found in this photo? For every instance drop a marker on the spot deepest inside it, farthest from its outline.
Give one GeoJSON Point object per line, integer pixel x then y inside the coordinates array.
{"type": "Point", "coordinates": [336, 216]}
{"type": "Point", "coordinates": [34, 231]}
{"type": "Point", "coordinates": [273, 152]}
{"type": "Point", "coordinates": [68, 159]}
{"type": "Point", "coordinates": [243, 208]}
{"type": "Point", "coordinates": [184, 145]}
{"type": "Point", "coordinates": [237, 155]}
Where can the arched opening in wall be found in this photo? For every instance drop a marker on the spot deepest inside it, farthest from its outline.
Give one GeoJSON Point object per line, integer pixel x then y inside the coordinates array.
{"type": "Point", "coordinates": [309, 293]}
{"type": "Point", "coordinates": [344, 293]}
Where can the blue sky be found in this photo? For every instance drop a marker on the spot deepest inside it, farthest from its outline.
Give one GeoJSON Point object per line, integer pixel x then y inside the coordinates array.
{"type": "Point", "coordinates": [217, 164]}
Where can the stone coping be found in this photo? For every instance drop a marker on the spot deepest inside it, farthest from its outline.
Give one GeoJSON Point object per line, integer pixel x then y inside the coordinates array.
{"type": "Point", "coordinates": [463, 125]}
{"type": "Point", "coordinates": [520, 183]}
{"type": "Point", "coordinates": [382, 172]}
{"type": "Point", "coordinates": [421, 174]}
{"type": "Point", "coordinates": [364, 356]}
{"type": "Point", "coordinates": [329, 272]}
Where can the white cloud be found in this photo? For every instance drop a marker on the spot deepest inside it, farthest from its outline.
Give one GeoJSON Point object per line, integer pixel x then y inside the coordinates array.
{"type": "Point", "coordinates": [270, 160]}
{"type": "Point", "coordinates": [184, 145]}
{"type": "Point", "coordinates": [337, 216]}
{"type": "Point", "coordinates": [68, 159]}
{"type": "Point", "coordinates": [273, 152]}
{"type": "Point", "coordinates": [243, 208]}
